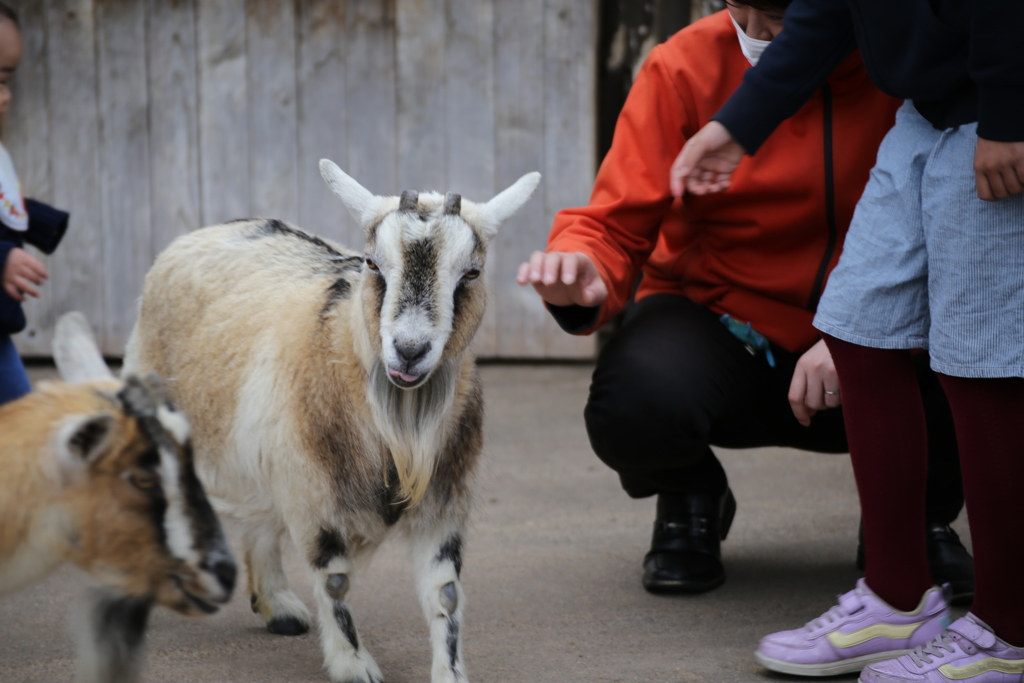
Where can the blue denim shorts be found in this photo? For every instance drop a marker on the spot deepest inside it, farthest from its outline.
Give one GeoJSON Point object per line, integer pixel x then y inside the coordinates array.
{"type": "Point", "coordinates": [926, 263]}
{"type": "Point", "coordinates": [13, 380]}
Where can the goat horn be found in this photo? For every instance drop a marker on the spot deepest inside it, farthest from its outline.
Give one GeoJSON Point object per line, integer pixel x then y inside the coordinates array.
{"type": "Point", "coordinates": [142, 396]}
{"type": "Point", "coordinates": [137, 398]}
{"type": "Point", "coordinates": [157, 393]}
{"type": "Point", "coordinates": [142, 399]}
{"type": "Point", "coordinates": [409, 201]}
{"type": "Point", "coordinates": [452, 204]}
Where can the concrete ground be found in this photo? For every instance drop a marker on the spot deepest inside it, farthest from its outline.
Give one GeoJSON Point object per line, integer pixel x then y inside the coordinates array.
{"type": "Point", "coordinates": [552, 572]}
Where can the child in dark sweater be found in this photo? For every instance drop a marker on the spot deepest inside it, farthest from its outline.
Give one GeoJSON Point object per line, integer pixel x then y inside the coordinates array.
{"type": "Point", "coordinates": [21, 221]}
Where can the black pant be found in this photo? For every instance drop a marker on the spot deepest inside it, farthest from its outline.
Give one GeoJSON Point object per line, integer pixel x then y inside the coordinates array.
{"type": "Point", "coordinates": [673, 381]}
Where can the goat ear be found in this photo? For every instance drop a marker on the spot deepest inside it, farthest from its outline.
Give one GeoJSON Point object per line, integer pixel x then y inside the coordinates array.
{"type": "Point", "coordinates": [494, 213]}
{"type": "Point", "coordinates": [75, 351]}
{"type": "Point", "coordinates": [83, 439]}
{"type": "Point", "coordinates": [364, 206]}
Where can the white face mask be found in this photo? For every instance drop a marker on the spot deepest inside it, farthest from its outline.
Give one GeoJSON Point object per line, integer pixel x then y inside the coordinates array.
{"type": "Point", "coordinates": [752, 47]}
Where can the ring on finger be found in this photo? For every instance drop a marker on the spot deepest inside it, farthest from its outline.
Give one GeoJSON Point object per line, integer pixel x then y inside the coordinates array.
{"type": "Point", "coordinates": [831, 393]}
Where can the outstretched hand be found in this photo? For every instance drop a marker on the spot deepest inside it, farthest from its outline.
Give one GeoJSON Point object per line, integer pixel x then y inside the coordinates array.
{"type": "Point", "coordinates": [998, 169]}
{"type": "Point", "coordinates": [815, 384]}
{"type": "Point", "coordinates": [23, 272]}
{"type": "Point", "coordinates": [706, 162]}
{"type": "Point", "coordinates": [563, 279]}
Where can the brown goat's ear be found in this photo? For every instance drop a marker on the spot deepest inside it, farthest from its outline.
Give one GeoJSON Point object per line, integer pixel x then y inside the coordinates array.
{"type": "Point", "coordinates": [83, 439]}
{"type": "Point", "coordinates": [75, 351]}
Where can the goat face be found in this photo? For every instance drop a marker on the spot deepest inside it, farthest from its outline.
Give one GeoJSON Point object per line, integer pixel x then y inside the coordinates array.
{"type": "Point", "coordinates": [423, 292]}
{"type": "Point", "coordinates": [144, 525]}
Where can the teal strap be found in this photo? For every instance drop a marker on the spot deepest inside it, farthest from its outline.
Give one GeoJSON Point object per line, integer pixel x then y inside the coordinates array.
{"type": "Point", "coordinates": [754, 340]}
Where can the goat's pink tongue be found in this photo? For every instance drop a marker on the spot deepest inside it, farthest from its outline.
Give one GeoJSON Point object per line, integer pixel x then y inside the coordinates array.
{"type": "Point", "coordinates": [404, 377]}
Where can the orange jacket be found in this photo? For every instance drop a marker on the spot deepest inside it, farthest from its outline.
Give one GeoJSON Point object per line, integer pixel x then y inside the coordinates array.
{"type": "Point", "coordinates": [759, 251]}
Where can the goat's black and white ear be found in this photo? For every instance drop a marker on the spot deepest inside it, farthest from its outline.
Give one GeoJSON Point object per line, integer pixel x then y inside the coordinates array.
{"type": "Point", "coordinates": [491, 216]}
{"type": "Point", "coordinates": [364, 206]}
{"type": "Point", "coordinates": [75, 351]}
{"type": "Point", "coordinates": [81, 440]}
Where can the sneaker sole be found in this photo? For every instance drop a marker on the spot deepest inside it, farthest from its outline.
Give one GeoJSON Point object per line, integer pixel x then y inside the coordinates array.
{"type": "Point", "coordinates": [843, 666]}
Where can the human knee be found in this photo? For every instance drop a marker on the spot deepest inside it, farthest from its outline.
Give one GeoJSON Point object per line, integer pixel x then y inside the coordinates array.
{"type": "Point", "coordinates": [633, 435]}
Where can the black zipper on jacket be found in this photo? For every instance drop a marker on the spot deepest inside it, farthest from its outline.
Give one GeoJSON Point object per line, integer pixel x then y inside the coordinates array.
{"type": "Point", "coordinates": [830, 200]}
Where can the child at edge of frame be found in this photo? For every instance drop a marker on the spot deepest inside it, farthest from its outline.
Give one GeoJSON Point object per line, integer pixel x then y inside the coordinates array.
{"type": "Point", "coordinates": [21, 222]}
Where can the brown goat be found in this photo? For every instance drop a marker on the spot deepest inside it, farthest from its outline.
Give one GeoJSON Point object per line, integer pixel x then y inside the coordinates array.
{"type": "Point", "coordinates": [99, 474]}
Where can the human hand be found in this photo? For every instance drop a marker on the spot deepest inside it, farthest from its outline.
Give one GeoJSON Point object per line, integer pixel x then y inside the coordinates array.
{"type": "Point", "coordinates": [706, 162]}
{"type": "Point", "coordinates": [998, 169]}
{"type": "Point", "coordinates": [562, 279]}
{"type": "Point", "coordinates": [21, 272]}
{"type": "Point", "coordinates": [815, 385]}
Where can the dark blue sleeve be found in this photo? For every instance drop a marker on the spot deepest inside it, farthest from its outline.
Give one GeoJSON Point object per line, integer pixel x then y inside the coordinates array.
{"type": "Point", "coordinates": [996, 65]}
{"type": "Point", "coordinates": [816, 36]}
{"type": "Point", "coordinates": [5, 249]}
{"type": "Point", "coordinates": [12, 318]}
{"type": "Point", "coordinates": [574, 319]}
{"type": "Point", "coordinates": [46, 225]}
{"type": "Point", "coordinates": [9, 239]}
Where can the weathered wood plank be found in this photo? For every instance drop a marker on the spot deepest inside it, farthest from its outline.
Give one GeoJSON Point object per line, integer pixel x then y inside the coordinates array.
{"type": "Point", "coordinates": [469, 97]}
{"type": "Point", "coordinates": [173, 120]}
{"type": "Point", "coordinates": [124, 163]}
{"type": "Point", "coordinates": [469, 126]}
{"type": "Point", "coordinates": [243, 97]}
{"type": "Point", "coordinates": [78, 267]}
{"type": "Point", "coordinates": [223, 115]}
{"type": "Point", "coordinates": [321, 114]}
{"type": "Point", "coordinates": [273, 131]}
{"type": "Point", "coordinates": [26, 132]}
{"type": "Point", "coordinates": [519, 149]}
{"type": "Point", "coordinates": [420, 91]}
{"type": "Point", "coordinates": [569, 89]}
{"type": "Point", "coordinates": [26, 128]}
{"type": "Point", "coordinates": [370, 99]}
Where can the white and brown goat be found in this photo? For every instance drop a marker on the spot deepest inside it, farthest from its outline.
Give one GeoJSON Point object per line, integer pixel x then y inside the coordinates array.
{"type": "Point", "coordinates": [98, 473]}
{"type": "Point", "coordinates": [333, 395]}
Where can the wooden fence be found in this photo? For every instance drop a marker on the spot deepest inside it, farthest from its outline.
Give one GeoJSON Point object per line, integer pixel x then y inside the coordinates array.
{"type": "Point", "coordinates": [149, 118]}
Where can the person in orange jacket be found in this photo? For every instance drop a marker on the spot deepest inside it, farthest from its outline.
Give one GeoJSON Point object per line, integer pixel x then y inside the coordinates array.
{"type": "Point", "coordinates": [718, 348]}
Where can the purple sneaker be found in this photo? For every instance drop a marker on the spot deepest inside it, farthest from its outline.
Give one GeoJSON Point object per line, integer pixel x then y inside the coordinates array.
{"type": "Point", "coordinates": [860, 630]}
{"type": "Point", "coordinates": [968, 651]}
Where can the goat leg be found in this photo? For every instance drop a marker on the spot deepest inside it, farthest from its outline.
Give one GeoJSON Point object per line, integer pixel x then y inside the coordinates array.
{"type": "Point", "coordinates": [111, 637]}
{"type": "Point", "coordinates": [438, 563]}
{"type": "Point", "coordinates": [345, 658]}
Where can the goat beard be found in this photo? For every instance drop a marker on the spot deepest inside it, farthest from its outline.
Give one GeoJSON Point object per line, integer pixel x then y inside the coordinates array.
{"type": "Point", "coordinates": [412, 422]}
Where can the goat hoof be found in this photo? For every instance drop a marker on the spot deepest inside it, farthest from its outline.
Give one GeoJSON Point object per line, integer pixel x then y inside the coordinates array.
{"type": "Point", "coordinates": [254, 603]}
{"type": "Point", "coordinates": [287, 626]}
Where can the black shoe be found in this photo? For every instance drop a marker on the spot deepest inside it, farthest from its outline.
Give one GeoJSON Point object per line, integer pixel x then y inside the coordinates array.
{"type": "Point", "coordinates": [685, 555]}
{"type": "Point", "coordinates": [948, 561]}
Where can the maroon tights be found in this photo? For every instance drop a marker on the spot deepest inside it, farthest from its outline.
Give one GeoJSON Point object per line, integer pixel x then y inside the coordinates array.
{"type": "Point", "coordinates": [885, 427]}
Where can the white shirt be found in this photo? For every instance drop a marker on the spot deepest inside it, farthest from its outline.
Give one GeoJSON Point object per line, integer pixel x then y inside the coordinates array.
{"type": "Point", "coordinates": [12, 204]}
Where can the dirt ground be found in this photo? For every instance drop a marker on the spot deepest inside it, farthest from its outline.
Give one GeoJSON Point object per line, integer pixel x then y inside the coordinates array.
{"type": "Point", "coordinates": [552, 572]}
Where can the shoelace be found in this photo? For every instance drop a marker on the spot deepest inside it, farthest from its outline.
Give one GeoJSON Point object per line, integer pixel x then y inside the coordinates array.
{"type": "Point", "coordinates": [923, 655]}
{"type": "Point", "coordinates": [827, 618]}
